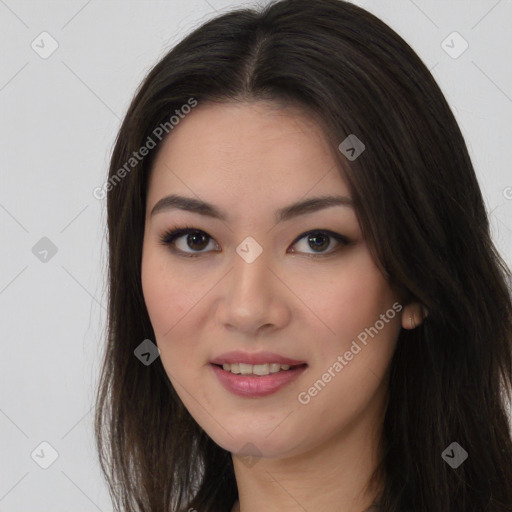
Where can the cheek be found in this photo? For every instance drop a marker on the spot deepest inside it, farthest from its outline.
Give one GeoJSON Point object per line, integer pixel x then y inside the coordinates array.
{"type": "Point", "coordinates": [164, 296]}
{"type": "Point", "coordinates": [168, 292]}
{"type": "Point", "coordinates": [367, 325]}
{"type": "Point", "coordinates": [350, 362]}
{"type": "Point", "coordinates": [173, 300]}
{"type": "Point", "coordinates": [350, 300]}
{"type": "Point", "coordinates": [158, 294]}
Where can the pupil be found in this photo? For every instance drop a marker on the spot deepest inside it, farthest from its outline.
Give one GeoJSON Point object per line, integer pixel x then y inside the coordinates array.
{"type": "Point", "coordinates": [316, 244]}
{"type": "Point", "coordinates": [194, 237]}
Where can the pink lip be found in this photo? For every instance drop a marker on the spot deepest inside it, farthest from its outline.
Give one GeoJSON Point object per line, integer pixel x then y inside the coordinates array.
{"type": "Point", "coordinates": [239, 356]}
{"type": "Point", "coordinates": [254, 385]}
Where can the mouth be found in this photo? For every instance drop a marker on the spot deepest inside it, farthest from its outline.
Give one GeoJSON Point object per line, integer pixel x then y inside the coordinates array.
{"type": "Point", "coordinates": [256, 381]}
{"type": "Point", "coordinates": [257, 370]}
{"type": "Point", "coordinates": [255, 374]}
{"type": "Point", "coordinates": [254, 359]}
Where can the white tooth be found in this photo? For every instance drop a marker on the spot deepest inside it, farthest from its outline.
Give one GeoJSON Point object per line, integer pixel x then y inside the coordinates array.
{"type": "Point", "coordinates": [274, 367]}
{"type": "Point", "coordinates": [260, 369]}
{"type": "Point", "coordinates": [245, 369]}
{"type": "Point", "coordinates": [257, 369]}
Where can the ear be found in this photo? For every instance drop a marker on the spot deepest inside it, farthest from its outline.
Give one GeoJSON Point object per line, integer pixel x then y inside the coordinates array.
{"type": "Point", "coordinates": [413, 315]}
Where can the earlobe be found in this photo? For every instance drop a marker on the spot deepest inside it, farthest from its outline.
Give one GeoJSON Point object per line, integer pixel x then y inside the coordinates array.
{"type": "Point", "coordinates": [413, 315]}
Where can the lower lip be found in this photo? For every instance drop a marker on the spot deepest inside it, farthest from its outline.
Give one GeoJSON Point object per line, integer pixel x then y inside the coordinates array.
{"type": "Point", "coordinates": [255, 386]}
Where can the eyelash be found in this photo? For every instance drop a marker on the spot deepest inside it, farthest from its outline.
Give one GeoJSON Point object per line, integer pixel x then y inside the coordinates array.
{"type": "Point", "coordinates": [170, 236]}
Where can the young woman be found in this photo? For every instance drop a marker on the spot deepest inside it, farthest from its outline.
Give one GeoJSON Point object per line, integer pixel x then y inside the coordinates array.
{"type": "Point", "coordinates": [294, 221]}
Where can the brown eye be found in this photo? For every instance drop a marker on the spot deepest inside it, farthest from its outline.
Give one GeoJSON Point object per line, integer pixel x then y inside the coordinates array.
{"type": "Point", "coordinates": [194, 241]}
{"type": "Point", "coordinates": [318, 241]}
{"type": "Point", "coordinates": [197, 241]}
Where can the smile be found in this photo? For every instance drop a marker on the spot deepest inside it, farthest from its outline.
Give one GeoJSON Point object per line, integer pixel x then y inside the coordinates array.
{"type": "Point", "coordinates": [256, 380]}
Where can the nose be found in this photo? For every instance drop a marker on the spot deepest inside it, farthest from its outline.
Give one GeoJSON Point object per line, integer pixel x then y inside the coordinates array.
{"type": "Point", "coordinates": [253, 297]}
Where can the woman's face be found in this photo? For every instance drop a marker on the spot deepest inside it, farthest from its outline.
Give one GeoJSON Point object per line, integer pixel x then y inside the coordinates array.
{"type": "Point", "coordinates": [256, 283]}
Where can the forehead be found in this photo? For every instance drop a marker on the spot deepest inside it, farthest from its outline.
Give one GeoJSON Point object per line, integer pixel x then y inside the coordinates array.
{"type": "Point", "coordinates": [247, 157]}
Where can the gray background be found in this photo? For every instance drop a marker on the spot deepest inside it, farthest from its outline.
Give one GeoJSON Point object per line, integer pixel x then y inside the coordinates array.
{"type": "Point", "coordinates": [58, 119]}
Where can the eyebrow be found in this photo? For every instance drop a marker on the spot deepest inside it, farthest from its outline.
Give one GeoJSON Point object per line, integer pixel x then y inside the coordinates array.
{"type": "Point", "coordinates": [304, 207]}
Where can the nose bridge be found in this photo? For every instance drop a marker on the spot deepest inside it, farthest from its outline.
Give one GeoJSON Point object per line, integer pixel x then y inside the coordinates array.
{"type": "Point", "coordinates": [251, 265]}
{"type": "Point", "coordinates": [250, 250]}
{"type": "Point", "coordinates": [250, 299]}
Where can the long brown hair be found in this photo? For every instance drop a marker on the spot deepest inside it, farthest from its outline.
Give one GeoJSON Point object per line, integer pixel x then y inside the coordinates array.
{"type": "Point", "coordinates": [421, 210]}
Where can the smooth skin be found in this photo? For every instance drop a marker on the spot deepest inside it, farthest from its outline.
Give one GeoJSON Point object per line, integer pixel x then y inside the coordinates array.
{"type": "Point", "coordinates": [249, 160]}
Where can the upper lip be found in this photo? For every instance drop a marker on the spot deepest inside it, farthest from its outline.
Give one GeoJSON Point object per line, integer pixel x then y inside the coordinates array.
{"type": "Point", "coordinates": [239, 356]}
